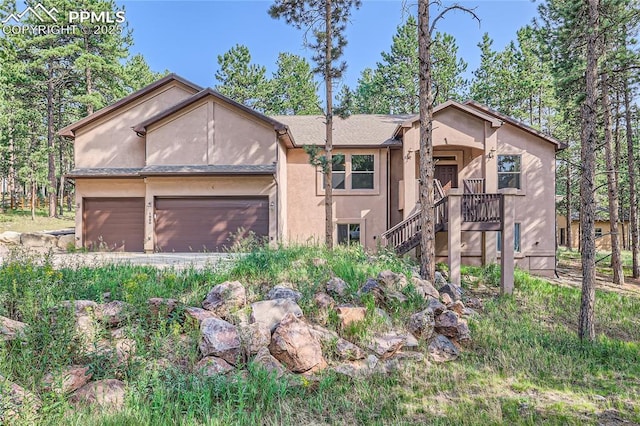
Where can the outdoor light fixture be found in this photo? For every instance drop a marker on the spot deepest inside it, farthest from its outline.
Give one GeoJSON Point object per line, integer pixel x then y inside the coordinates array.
{"type": "Point", "coordinates": [491, 153]}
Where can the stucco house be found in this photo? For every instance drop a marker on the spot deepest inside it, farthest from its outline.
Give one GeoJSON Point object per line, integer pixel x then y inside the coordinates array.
{"type": "Point", "coordinates": [603, 230]}
{"type": "Point", "coordinates": [178, 167]}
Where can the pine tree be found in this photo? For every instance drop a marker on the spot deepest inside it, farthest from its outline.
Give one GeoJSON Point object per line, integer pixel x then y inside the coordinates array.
{"type": "Point", "coordinates": [292, 88]}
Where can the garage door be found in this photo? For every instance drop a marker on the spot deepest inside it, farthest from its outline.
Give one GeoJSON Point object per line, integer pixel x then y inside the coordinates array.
{"type": "Point", "coordinates": [114, 224]}
{"type": "Point", "coordinates": [208, 224]}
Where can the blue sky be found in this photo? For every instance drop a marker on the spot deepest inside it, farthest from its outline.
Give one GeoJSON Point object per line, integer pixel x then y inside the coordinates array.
{"type": "Point", "coordinates": [186, 37]}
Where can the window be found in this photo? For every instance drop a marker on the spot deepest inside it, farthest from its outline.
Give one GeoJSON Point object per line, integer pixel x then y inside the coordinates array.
{"type": "Point", "coordinates": [563, 237]}
{"type": "Point", "coordinates": [348, 233]}
{"type": "Point", "coordinates": [598, 232]}
{"type": "Point", "coordinates": [362, 171]}
{"type": "Point", "coordinates": [352, 172]}
{"type": "Point", "coordinates": [339, 171]}
{"type": "Point", "coordinates": [516, 238]}
{"type": "Point", "coordinates": [509, 171]}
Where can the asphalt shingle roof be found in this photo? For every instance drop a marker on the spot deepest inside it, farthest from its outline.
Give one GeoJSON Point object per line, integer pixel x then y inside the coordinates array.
{"type": "Point", "coordinates": [355, 130]}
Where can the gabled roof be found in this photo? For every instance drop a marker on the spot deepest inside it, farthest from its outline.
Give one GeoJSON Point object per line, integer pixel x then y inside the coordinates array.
{"type": "Point", "coordinates": [355, 131]}
{"type": "Point", "coordinates": [69, 131]}
{"type": "Point", "coordinates": [141, 129]}
{"type": "Point", "coordinates": [478, 106]}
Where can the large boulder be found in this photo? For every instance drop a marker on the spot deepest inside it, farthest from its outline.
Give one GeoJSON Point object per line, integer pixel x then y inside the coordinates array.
{"type": "Point", "coordinates": [212, 366]}
{"type": "Point", "coordinates": [271, 312]}
{"type": "Point", "coordinates": [66, 241]}
{"type": "Point", "coordinates": [350, 314]}
{"type": "Point", "coordinates": [114, 313]}
{"type": "Point", "coordinates": [452, 290]}
{"type": "Point", "coordinates": [79, 307]}
{"type": "Point", "coordinates": [440, 279]}
{"type": "Point", "coordinates": [225, 298]}
{"type": "Point", "coordinates": [160, 307]}
{"type": "Point", "coordinates": [391, 280]}
{"type": "Point", "coordinates": [421, 324]}
{"type": "Point", "coordinates": [337, 287]}
{"type": "Point", "coordinates": [387, 344]}
{"type": "Point", "coordinates": [442, 349]}
{"type": "Point", "coordinates": [284, 292]}
{"type": "Point", "coordinates": [38, 240]}
{"type": "Point", "coordinates": [15, 399]}
{"type": "Point", "coordinates": [11, 329]}
{"type": "Point", "coordinates": [265, 360]}
{"type": "Point", "coordinates": [220, 338]}
{"type": "Point", "coordinates": [361, 368]}
{"type": "Point", "coordinates": [373, 287]}
{"type": "Point", "coordinates": [254, 337]}
{"type": "Point", "coordinates": [424, 288]}
{"type": "Point", "coordinates": [451, 325]}
{"type": "Point", "coordinates": [10, 238]}
{"type": "Point", "coordinates": [106, 394]}
{"type": "Point", "coordinates": [67, 380]}
{"type": "Point", "coordinates": [436, 306]}
{"type": "Point", "coordinates": [195, 315]}
{"type": "Point", "coordinates": [340, 348]}
{"type": "Point", "coordinates": [293, 344]}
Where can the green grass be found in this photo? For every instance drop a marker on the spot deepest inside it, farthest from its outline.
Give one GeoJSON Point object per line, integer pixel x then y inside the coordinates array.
{"type": "Point", "coordinates": [19, 220]}
{"type": "Point", "coordinates": [525, 364]}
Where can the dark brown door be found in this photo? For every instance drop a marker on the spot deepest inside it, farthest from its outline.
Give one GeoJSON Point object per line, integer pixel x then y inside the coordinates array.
{"type": "Point", "coordinates": [208, 224]}
{"type": "Point", "coordinates": [113, 224]}
{"type": "Point", "coordinates": [447, 175]}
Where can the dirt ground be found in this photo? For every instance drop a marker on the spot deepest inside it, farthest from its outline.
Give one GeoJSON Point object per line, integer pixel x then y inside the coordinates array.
{"type": "Point", "coordinates": [570, 274]}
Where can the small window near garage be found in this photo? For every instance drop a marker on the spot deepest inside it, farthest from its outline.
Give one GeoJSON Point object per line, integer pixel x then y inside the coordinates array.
{"type": "Point", "coordinates": [598, 232]}
{"type": "Point", "coordinates": [348, 233]}
{"type": "Point", "coordinates": [509, 168]}
{"type": "Point", "coordinates": [362, 171]}
{"type": "Point", "coordinates": [339, 172]}
{"type": "Point", "coordinates": [516, 238]}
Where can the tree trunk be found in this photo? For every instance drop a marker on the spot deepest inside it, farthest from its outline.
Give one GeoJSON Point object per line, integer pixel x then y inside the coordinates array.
{"type": "Point", "coordinates": [588, 117]}
{"type": "Point", "coordinates": [569, 208]}
{"type": "Point", "coordinates": [33, 197]}
{"type": "Point", "coordinates": [51, 176]}
{"type": "Point", "coordinates": [427, 242]}
{"type": "Point", "coordinates": [633, 213]}
{"type": "Point", "coordinates": [612, 185]}
{"type": "Point", "coordinates": [12, 167]}
{"type": "Point", "coordinates": [328, 182]}
{"type": "Point", "coordinates": [616, 157]}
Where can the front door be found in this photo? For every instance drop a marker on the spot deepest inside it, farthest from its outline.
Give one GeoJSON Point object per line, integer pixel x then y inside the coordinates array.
{"type": "Point", "coordinates": [447, 175]}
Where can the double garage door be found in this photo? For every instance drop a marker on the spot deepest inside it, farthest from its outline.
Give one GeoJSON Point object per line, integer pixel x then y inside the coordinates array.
{"type": "Point", "coordinates": [181, 224]}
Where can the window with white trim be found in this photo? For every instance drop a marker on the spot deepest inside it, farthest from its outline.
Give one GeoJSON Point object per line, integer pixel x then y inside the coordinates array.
{"type": "Point", "coordinates": [348, 233]}
{"type": "Point", "coordinates": [362, 171]}
{"type": "Point", "coordinates": [509, 171]}
{"type": "Point", "coordinates": [352, 172]}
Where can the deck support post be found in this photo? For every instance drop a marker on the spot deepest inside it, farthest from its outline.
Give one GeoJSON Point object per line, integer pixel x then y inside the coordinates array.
{"type": "Point", "coordinates": [507, 252]}
{"type": "Point", "coordinates": [455, 234]}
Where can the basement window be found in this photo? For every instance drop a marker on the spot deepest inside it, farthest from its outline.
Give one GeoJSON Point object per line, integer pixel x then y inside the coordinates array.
{"type": "Point", "coordinates": [516, 238]}
{"type": "Point", "coordinates": [348, 233]}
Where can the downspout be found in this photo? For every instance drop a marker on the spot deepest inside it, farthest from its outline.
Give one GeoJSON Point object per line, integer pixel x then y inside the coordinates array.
{"type": "Point", "coordinates": [388, 187]}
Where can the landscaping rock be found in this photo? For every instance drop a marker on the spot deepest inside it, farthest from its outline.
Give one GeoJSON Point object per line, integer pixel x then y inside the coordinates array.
{"type": "Point", "coordinates": [421, 324]}
{"type": "Point", "coordinates": [38, 240]}
{"type": "Point", "coordinates": [86, 330]}
{"type": "Point", "coordinates": [324, 301]}
{"type": "Point", "coordinates": [474, 303]}
{"type": "Point", "coordinates": [254, 337]}
{"type": "Point", "coordinates": [411, 343]}
{"type": "Point", "coordinates": [442, 349]}
{"type": "Point", "coordinates": [107, 394]}
{"type": "Point", "coordinates": [424, 288]}
{"type": "Point", "coordinates": [350, 314]}
{"type": "Point", "coordinates": [392, 281]}
{"type": "Point", "coordinates": [67, 380]}
{"type": "Point", "coordinates": [385, 345]}
{"type": "Point", "coordinates": [271, 312]}
{"type": "Point", "coordinates": [159, 307]}
{"type": "Point", "coordinates": [14, 399]}
{"type": "Point", "coordinates": [66, 241]}
{"type": "Point", "coordinates": [293, 344]}
{"type": "Point", "coordinates": [446, 299]}
{"type": "Point", "coordinates": [447, 324]}
{"type": "Point", "coordinates": [468, 312]}
{"type": "Point", "coordinates": [225, 298]}
{"type": "Point", "coordinates": [359, 369]}
{"type": "Point", "coordinates": [197, 315]}
{"type": "Point", "coordinates": [10, 237]}
{"type": "Point", "coordinates": [373, 287]}
{"type": "Point", "coordinates": [344, 350]}
{"type": "Point", "coordinates": [458, 307]}
{"type": "Point", "coordinates": [384, 317]}
{"type": "Point", "coordinates": [125, 349]}
{"type": "Point", "coordinates": [79, 307]}
{"type": "Point", "coordinates": [452, 290]}
{"type": "Point", "coordinates": [463, 334]}
{"type": "Point", "coordinates": [267, 361]}
{"type": "Point", "coordinates": [337, 287]}
{"type": "Point", "coordinates": [436, 306]}
{"type": "Point", "coordinates": [11, 329]}
{"type": "Point", "coordinates": [440, 280]}
{"type": "Point", "coordinates": [114, 313]}
{"type": "Point", "coordinates": [221, 339]}
{"type": "Point", "coordinates": [212, 366]}
{"type": "Point", "coordinates": [282, 292]}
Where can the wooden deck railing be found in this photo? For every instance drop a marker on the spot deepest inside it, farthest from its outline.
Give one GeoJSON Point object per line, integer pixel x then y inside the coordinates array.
{"type": "Point", "coordinates": [481, 208]}
{"type": "Point", "coordinates": [401, 233]}
{"type": "Point", "coordinates": [438, 191]}
{"type": "Point", "coordinates": [473, 186]}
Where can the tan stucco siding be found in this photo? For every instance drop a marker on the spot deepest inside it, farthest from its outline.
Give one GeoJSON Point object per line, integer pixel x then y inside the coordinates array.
{"type": "Point", "coordinates": [454, 127]}
{"type": "Point", "coordinates": [283, 196]}
{"type": "Point", "coordinates": [602, 243]}
{"type": "Point", "coordinates": [110, 142]}
{"type": "Point", "coordinates": [97, 188]}
{"type": "Point", "coordinates": [181, 140]}
{"type": "Point", "coordinates": [239, 139]}
{"type": "Point", "coordinates": [305, 213]}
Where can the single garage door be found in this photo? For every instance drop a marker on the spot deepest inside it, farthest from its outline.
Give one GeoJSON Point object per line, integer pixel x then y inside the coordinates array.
{"type": "Point", "coordinates": [208, 223]}
{"type": "Point", "coordinates": [114, 224]}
